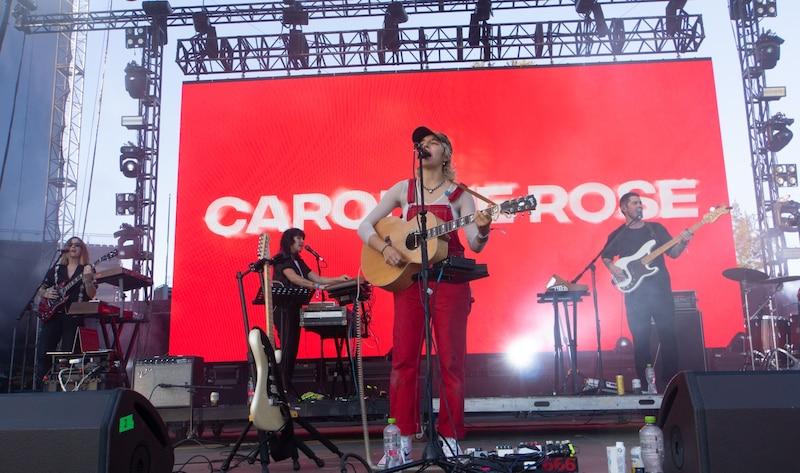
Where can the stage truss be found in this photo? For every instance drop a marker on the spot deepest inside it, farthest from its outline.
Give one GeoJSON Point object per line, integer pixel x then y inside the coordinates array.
{"type": "Point", "coordinates": [363, 50]}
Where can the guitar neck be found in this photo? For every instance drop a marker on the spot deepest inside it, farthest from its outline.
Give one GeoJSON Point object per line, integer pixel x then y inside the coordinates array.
{"type": "Point", "coordinates": [666, 246]}
{"type": "Point", "coordinates": [268, 306]}
{"type": "Point", "coordinates": [451, 226]}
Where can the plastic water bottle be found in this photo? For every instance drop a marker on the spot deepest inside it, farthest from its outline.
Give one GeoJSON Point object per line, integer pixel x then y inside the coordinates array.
{"type": "Point", "coordinates": [391, 444]}
{"type": "Point", "coordinates": [650, 374]}
{"type": "Point", "coordinates": [651, 439]}
{"type": "Point", "coordinates": [251, 391]}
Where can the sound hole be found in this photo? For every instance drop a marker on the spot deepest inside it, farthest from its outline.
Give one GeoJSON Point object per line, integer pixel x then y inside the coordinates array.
{"type": "Point", "coordinates": [413, 240]}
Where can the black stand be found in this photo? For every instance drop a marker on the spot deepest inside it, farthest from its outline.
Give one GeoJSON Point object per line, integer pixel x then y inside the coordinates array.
{"type": "Point", "coordinates": [565, 297]}
{"type": "Point", "coordinates": [282, 444]}
{"type": "Point", "coordinates": [190, 437]}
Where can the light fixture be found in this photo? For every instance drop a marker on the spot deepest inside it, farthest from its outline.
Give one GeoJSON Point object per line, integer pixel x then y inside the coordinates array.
{"type": "Point", "coordinates": [766, 8]}
{"type": "Point", "coordinates": [126, 204]}
{"type": "Point", "coordinates": [672, 20]}
{"type": "Point", "coordinates": [131, 160]}
{"type": "Point", "coordinates": [136, 80]}
{"type": "Point", "coordinates": [29, 5]}
{"type": "Point", "coordinates": [294, 14]}
{"type": "Point", "coordinates": [787, 214]}
{"type": "Point", "coordinates": [158, 10]}
{"type": "Point", "coordinates": [134, 122]}
{"type": "Point", "coordinates": [297, 48]}
{"type": "Point", "coordinates": [389, 36]}
{"type": "Point", "coordinates": [778, 133]}
{"type": "Point", "coordinates": [395, 14]}
{"type": "Point", "coordinates": [768, 50]}
{"type": "Point", "coordinates": [772, 93]}
{"type": "Point", "coordinates": [785, 175]}
{"type": "Point", "coordinates": [129, 242]}
{"type": "Point", "coordinates": [135, 37]}
{"type": "Point", "coordinates": [477, 22]}
{"type": "Point", "coordinates": [483, 10]}
{"type": "Point", "coordinates": [203, 27]}
{"type": "Point", "coordinates": [592, 9]}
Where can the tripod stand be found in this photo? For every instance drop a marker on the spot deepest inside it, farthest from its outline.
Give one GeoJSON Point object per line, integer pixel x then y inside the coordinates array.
{"type": "Point", "coordinates": [262, 361]}
{"type": "Point", "coordinates": [190, 436]}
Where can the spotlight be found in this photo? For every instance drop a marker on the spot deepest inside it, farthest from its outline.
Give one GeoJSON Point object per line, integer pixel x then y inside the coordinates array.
{"type": "Point", "coordinates": [590, 8]}
{"type": "Point", "coordinates": [203, 27]}
{"type": "Point", "coordinates": [129, 242]}
{"type": "Point", "coordinates": [135, 37]}
{"type": "Point", "coordinates": [483, 10]}
{"type": "Point", "coordinates": [766, 8]}
{"type": "Point", "coordinates": [131, 160]}
{"type": "Point", "coordinates": [395, 14]}
{"type": "Point", "coordinates": [785, 175]}
{"type": "Point", "coordinates": [158, 10]}
{"type": "Point", "coordinates": [294, 15]}
{"type": "Point", "coordinates": [768, 50]}
{"type": "Point", "coordinates": [672, 21]}
{"type": "Point", "coordinates": [136, 80]}
{"type": "Point", "coordinates": [126, 204]}
{"type": "Point", "coordinates": [297, 48]}
{"type": "Point", "coordinates": [778, 135]}
{"type": "Point", "coordinates": [772, 93]}
{"type": "Point", "coordinates": [29, 5]}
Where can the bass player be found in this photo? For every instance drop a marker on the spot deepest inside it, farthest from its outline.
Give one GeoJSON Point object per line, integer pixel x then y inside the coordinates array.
{"type": "Point", "coordinates": [652, 297]}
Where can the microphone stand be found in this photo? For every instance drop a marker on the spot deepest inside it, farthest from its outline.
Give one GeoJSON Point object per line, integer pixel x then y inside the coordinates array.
{"type": "Point", "coordinates": [601, 384]}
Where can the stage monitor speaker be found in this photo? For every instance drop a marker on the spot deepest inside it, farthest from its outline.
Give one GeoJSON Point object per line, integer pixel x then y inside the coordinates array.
{"type": "Point", "coordinates": [114, 431]}
{"type": "Point", "coordinates": [731, 422]}
{"type": "Point", "coordinates": [160, 380]}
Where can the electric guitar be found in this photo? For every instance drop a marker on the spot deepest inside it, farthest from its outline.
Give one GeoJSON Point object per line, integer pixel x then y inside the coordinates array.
{"type": "Point", "coordinates": [406, 237]}
{"type": "Point", "coordinates": [266, 409]}
{"type": "Point", "coordinates": [48, 307]}
{"type": "Point", "coordinates": [637, 266]}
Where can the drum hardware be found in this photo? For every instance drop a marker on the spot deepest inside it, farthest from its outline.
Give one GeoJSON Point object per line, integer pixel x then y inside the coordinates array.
{"type": "Point", "coordinates": [745, 276]}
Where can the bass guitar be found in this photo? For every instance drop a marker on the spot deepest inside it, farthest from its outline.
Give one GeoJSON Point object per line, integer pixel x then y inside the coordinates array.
{"type": "Point", "coordinates": [266, 410]}
{"type": "Point", "coordinates": [406, 237]}
{"type": "Point", "coordinates": [637, 266]}
{"type": "Point", "coordinates": [48, 307]}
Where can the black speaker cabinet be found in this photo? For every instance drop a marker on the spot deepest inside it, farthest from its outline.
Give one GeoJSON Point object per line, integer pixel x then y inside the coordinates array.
{"type": "Point", "coordinates": [115, 431]}
{"type": "Point", "coordinates": [691, 341]}
{"type": "Point", "coordinates": [161, 380]}
{"type": "Point", "coordinates": [731, 422]}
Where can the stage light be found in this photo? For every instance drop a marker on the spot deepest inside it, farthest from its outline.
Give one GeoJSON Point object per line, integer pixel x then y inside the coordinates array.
{"type": "Point", "coordinates": [395, 14]}
{"type": "Point", "coordinates": [136, 80]}
{"type": "Point", "coordinates": [766, 8]}
{"type": "Point", "coordinates": [672, 20]}
{"type": "Point", "coordinates": [785, 175]}
{"type": "Point", "coordinates": [126, 204]}
{"type": "Point", "coordinates": [778, 133]}
{"type": "Point", "coordinates": [29, 5]}
{"type": "Point", "coordinates": [158, 11]}
{"type": "Point", "coordinates": [768, 50]}
{"type": "Point", "coordinates": [203, 27]}
{"type": "Point", "coordinates": [294, 14]}
{"type": "Point", "coordinates": [131, 160]}
{"type": "Point", "coordinates": [135, 37]}
{"type": "Point", "coordinates": [129, 242]}
{"type": "Point", "coordinates": [134, 122]}
{"type": "Point", "coordinates": [772, 93]}
{"type": "Point", "coordinates": [483, 10]}
{"type": "Point", "coordinates": [591, 9]}
{"type": "Point", "coordinates": [297, 48]}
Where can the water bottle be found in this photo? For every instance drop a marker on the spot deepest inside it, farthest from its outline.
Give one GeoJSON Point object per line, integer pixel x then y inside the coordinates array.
{"type": "Point", "coordinates": [391, 444]}
{"type": "Point", "coordinates": [650, 374]}
{"type": "Point", "coordinates": [251, 391]}
{"type": "Point", "coordinates": [651, 439]}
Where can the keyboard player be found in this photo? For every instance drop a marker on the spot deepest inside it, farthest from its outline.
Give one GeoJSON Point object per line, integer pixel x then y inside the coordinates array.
{"type": "Point", "coordinates": [292, 271]}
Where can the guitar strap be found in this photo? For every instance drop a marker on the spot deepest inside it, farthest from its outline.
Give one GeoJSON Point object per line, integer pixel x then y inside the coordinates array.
{"type": "Point", "coordinates": [470, 191]}
{"type": "Point", "coordinates": [651, 230]}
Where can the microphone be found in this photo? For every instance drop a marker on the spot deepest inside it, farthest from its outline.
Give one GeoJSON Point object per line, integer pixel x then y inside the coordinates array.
{"type": "Point", "coordinates": [639, 214]}
{"type": "Point", "coordinates": [64, 250]}
{"type": "Point", "coordinates": [316, 255]}
{"type": "Point", "coordinates": [422, 152]}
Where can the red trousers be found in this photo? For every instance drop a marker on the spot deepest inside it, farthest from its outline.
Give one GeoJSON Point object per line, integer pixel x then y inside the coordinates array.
{"type": "Point", "coordinates": [450, 306]}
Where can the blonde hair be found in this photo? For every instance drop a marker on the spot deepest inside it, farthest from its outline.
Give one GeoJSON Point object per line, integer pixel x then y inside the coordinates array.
{"type": "Point", "coordinates": [448, 170]}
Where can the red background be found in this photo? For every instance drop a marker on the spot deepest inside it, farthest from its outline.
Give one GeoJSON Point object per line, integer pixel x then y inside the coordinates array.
{"type": "Point", "coordinates": [576, 137]}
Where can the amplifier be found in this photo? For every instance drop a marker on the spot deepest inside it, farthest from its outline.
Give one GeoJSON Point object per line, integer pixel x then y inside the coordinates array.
{"type": "Point", "coordinates": [685, 300]}
{"type": "Point", "coordinates": [160, 379]}
{"type": "Point", "coordinates": [329, 316]}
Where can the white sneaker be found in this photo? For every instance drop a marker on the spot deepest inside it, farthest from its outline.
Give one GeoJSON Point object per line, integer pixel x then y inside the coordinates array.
{"type": "Point", "coordinates": [450, 447]}
{"type": "Point", "coordinates": [405, 448]}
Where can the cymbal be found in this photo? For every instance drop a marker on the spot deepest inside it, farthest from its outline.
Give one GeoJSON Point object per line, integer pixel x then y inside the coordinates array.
{"type": "Point", "coordinates": [779, 280]}
{"type": "Point", "coordinates": [745, 275]}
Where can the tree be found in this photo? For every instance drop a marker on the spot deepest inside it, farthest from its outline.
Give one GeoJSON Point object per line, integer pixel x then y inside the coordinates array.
{"type": "Point", "coordinates": [746, 239]}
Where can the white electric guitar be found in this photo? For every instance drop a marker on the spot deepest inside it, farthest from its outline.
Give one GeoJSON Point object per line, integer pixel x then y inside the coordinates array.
{"type": "Point", "coordinates": [267, 409]}
{"type": "Point", "coordinates": [637, 266]}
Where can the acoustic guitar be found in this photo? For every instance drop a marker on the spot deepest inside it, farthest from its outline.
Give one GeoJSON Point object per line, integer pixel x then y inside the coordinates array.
{"type": "Point", "coordinates": [637, 266]}
{"type": "Point", "coordinates": [48, 307]}
{"type": "Point", "coordinates": [266, 410]}
{"type": "Point", "coordinates": [406, 237]}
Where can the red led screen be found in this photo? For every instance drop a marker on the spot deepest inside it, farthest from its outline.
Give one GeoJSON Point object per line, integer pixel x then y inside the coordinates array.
{"type": "Point", "coordinates": [315, 153]}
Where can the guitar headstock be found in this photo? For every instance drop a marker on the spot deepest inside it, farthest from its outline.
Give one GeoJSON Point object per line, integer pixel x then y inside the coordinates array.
{"type": "Point", "coordinates": [716, 213]}
{"type": "Point", "coordinates": [518, 204]}
{"type": "Point", "coordinates": [111, 254]}
{"type": "Point", "coordinates": [263, 246]}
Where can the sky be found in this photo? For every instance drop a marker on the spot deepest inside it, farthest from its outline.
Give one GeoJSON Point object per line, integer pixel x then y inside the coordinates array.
{"type": "Point", "coordinates": [105, 101]}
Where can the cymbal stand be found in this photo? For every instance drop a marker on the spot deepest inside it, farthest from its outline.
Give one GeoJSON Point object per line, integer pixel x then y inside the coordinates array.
{"type": "Point", "coordinates": [772, 356]}
{"type": "Point", "coordinates": [745, 290]}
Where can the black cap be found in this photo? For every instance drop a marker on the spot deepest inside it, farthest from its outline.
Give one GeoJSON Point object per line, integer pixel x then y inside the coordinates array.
{"type": "Point", "coordinates": [420, 133]}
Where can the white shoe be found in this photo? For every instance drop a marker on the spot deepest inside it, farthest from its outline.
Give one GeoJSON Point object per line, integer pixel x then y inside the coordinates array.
{"type": "Point", "coordinates": [450, 447]}
{"type": "Point", "coordinates": [405, 448]}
